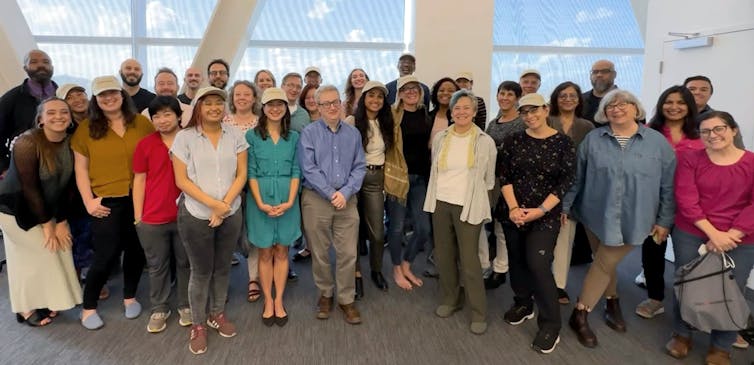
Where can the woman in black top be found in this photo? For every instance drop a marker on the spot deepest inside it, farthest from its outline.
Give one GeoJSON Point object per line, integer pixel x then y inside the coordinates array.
{"type": "Point", "coordinates": [34, 197]}
{"type": "Point", "coordinates": [538, 167]}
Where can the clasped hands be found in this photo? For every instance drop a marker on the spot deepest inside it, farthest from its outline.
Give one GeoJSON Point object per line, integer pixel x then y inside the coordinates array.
{"type": "Point", "coordinates": [723, 241]}
{"type": "Point", "coordinates": [520, 216]}
{"type": "Point", "coordinates": [220, 211]}
{"type": "Point", "coordinates": [57, 236]}
{"type": "Point", "coordinates": [274, 211]}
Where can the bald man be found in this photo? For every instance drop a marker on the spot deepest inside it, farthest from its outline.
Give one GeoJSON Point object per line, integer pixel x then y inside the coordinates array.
{"type": "Point", "coordinates": [18, 106]}
{"type": "Point", "coordinates": [192, 80]}
{"type": "Point", "coordinates": [131, 74]}
{"type": "Point", "coordinates": [602, 77]}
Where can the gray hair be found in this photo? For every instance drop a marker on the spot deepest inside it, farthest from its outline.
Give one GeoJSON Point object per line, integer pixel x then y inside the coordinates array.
{"type": "Point", "coordinates": [619, 95]}
{"type": "Point", "coordinates": [462, 93]}
{"type": "Point", "coordinates": [256, 108]}
{"type": "Point", "coordinates": [291, 75]}
{"type": "Point", "coordinates": [324, 89]}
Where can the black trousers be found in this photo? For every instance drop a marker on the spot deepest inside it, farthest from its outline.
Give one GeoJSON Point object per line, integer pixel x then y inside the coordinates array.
{"type": "Point", "coordinates": [111, 236]}
{"type": "Point", "coordinates": [653, 261]}
{"type": "Point", "coordinates": [530, 255]}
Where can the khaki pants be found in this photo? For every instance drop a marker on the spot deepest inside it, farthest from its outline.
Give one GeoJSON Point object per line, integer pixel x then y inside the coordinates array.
{"type": "Point", "coordinates": [500, 263]}
{"type": "Point", "coordinates": [601, 279]}
{"type": "Point", "coordinates": [563, 248]}
{"type": "Point", "coordinates": [324, 226]}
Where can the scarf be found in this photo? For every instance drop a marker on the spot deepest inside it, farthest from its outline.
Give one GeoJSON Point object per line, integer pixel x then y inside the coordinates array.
{"type": "Point", "coordinates": [473, 132]}
{"type": "Point", "coordinates": [396, 169]}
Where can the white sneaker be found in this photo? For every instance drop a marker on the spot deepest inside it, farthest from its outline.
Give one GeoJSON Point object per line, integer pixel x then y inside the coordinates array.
{"type": "Point", "coordinates": [184, 315]}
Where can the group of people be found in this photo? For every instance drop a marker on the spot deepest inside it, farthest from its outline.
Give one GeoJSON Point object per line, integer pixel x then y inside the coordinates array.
{"type": "Point", "coordinates": [180, 180]}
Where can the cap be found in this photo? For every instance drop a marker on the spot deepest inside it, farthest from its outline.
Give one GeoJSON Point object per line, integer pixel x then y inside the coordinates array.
{"type": "Point", "coordinates": [104, 83]}
{"type": "Point", "coordinates": [407, 55]}
{"type": "Point", "coordinates": [374, 85]}
{"type": "Point", "coordinates": [274, 93]}
{"type": "Point", "coordinates": [405, 80]}
{"type": "Point", "coordinates": [532, 99]}
{"type": "Point", "coordinates": [531, 71]}
{"type": "Point", "coordinates": [63, 91]}
{"type": "Point", "coordinates": [465, 75]}
{"type": "Point", "coordinates": [312, 69]}
{"type": "Point", "coordinates": [209, 90]}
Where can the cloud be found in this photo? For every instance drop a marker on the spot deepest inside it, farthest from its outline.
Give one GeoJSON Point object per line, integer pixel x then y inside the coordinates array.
{"type": "Point", "coordinates": [601, 13]}
{"type": "Point", "coordinates": [571, 42]}
{"type": "Point", "coordinates": [319, 10]}
{"type": "Point", "coordinates": [160, 17]}
{"type": "Point", "coordinates": [356, 35]}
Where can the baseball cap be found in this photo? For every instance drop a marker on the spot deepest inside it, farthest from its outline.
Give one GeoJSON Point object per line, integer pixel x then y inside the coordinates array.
{"type": "Point", "coordinates": [274, 93]}
{"type": "Point", "coordinates": [105, 83]}
{"type": "Point", "coordinates": [63, 90]}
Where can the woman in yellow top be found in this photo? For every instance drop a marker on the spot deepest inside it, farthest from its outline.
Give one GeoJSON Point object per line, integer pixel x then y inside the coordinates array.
{"type": "Point", "coordinates": [103, 148]}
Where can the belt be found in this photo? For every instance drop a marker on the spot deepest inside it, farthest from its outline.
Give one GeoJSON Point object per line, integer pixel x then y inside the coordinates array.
{"type": "Point", "coordinates": [375, 167]}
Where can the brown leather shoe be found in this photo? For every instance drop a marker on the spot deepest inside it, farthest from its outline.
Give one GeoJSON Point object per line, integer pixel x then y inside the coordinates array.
{"type": "Point", "coordinates": [351, 313]}
{"type": "Point", "coordinates": [579, 324]}
{"type": "Point", "coordinates": [324, 307]}
{"type": "Point", "coordinates": [613, 315]}
{"type": "Point", "coordinates": [716, 356]}
{"type": "Point", "coordinates": [678, 346]}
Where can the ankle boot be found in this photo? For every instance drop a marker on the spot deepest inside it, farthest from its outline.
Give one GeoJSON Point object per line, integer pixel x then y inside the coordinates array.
{"type": "Point", "coordinates": [580, 325]}
{"type": "Point", "coordinates": [613, 315]}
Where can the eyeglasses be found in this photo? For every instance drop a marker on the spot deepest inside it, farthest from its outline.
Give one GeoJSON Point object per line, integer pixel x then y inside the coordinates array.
{"type": "Point", "coordinates": [604, 71]}
{"type": "Point", "coordinates": [568, 96]}
{"type": "Point", "coordinates": [718, 130]}
{"type": "Point", "coordinates": [620, 106]}
{"type": "Point", "coordinates": [525, 112]}
{"type": "Point", "coordinates": [406, 89]}
{"type": "Point", "coordinates": [218, 73]}
{"type": "Point", "coordinates": [329, 104]}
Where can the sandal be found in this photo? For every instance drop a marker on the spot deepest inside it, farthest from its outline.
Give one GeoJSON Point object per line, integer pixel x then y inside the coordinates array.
{"type": "Point", "coordinates": [36, 319]}
{"type": "Point", "coordinates": [49, 313]}
{"type": "Point", "coordinates": [255, 293]}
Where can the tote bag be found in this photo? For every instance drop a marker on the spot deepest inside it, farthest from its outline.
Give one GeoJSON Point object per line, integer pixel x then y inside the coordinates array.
{"type": "Point", "coordinates": [708, 295]}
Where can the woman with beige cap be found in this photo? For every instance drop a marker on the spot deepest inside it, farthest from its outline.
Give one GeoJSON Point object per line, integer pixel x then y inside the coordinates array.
{"type": "Point", "coordinates": [103, 148]}
{"type": "Point", "coordinates": [209, 161]}
{"type": "Point", "coordinates": [537, 167]}
{"type": "Point", "coordinates": [273, 214]}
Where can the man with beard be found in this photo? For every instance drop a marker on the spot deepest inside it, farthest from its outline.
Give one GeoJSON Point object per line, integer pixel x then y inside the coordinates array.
{"type": "Point", "coordinates": [193, 80]}
{"type": "Point", "coordinates": [131, 74]}
{"type": "Point", "coordinates": [603, 81]}
{"type": "Point", "coordinates": [18, 106]}
{"type": "Point", "coordinates": [406, 66]}
{"type": "Point", "coordinates": [217, 73]}
{"type": "Point", "coordinates": [166, 84]}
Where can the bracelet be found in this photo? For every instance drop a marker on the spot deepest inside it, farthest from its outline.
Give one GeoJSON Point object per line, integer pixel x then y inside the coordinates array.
{"type": "Point", "coordinates": [512, 209]}
{"type": "Point", "coordinates": [544, 210]}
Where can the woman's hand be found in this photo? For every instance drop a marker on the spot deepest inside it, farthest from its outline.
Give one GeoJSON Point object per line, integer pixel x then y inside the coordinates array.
{"type": "Point", "coordinates": [532, 214]}
{"type": "Point", "coordinates": [63, 234]}
{"type": "Point", "coordinates": [659, 234]}
{"type": "Point", "coordinates": [95, 208]}
{"type": "Point", "coordinates": [282, 208]}
{"type": "Point", "coordinates": [268, 209]}
{"type": "Point", "coordinates": [722, 241]}
{"type": "Point", "coordinates": [516, 216]}
{"type": "Point", "coordinates": [50, 240]}
{"type": "Point", "coordinates": [215, 221]}
{"type": "Point", "coordinates": [220, 208]}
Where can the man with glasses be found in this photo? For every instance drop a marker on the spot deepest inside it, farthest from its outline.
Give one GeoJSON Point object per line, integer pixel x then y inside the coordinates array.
{"type": "Point", "coordinates": [602, 77]}
{"type": "Point", "coordinates": [406, 66]}
{"type": "Point", "coordinates": [332, 167]}
{"type": "Point", "coordinates": [292, 85]}
{"type": "Point", "coordinates": [217, 73]}
{"type": "Point", "coordinates": [131, 74]}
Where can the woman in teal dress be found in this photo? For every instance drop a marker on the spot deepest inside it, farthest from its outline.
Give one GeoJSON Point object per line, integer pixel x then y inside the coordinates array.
{"type": "Point", "coordinates": [275, 222]}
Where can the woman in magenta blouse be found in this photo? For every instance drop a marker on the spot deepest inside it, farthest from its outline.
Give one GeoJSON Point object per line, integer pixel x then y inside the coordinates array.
{"type": "Point", "coordinates": [714, 191]}
{"type": "Point", "coordinates": [675, 117]}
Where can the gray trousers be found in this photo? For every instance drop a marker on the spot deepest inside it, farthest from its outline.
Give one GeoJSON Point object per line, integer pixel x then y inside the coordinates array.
{"type": "Point", "coordinates": [324, 226]}
{"type": "Point", "coordinates": [158, 240]}
{"type": "Point", "coordinates": [457, 242]}
{"type": "Point", "coordinates": [209, 251]}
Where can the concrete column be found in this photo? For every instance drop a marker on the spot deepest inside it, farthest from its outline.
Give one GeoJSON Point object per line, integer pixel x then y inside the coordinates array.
{"type": "Point", "coordinates": [16, 41]}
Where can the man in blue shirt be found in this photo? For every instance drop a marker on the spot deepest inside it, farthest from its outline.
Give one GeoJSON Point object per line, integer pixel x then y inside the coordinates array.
{"type": "Point", "coordinates": [332, 168]}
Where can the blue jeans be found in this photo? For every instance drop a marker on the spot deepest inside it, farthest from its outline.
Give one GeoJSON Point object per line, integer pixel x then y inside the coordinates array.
{"type": "Point", "coordinates": [396, 212]}
{"type": "Point", "coordinates": [685, 246]}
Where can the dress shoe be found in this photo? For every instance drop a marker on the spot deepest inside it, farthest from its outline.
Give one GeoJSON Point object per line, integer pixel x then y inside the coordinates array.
{"type": "Point", "coordinates": [678, 346]}
{"type": "Point", "coordinates": [579, 324]}
{"type": "Point", "coordinates": [281, 321]}
{"type": "Point", "coordinates": [613, 315]}
{"type": "Point", "coordinates": [716, 356]}
{"type": "Point", "coordinates": [324, 307]}
{"type": "Point", "coordinates": [494, 280]}
{"type": "Point", "coordinates": [359, 288]}
{"type": "Point", "coordinates": [350, 312]}
{"type": "Point", "coordinates": [292, 276]}
{"type": "Point", "coordinates": [379, 280]}
{"type": "Point", "coordinates": [268, 321]}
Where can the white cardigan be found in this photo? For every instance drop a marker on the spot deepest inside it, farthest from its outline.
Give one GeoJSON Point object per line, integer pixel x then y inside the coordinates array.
{"type": "Point", "coordinates": [476, 206]}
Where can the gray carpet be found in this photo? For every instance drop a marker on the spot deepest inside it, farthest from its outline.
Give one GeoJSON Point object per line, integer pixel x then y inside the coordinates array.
{"type": "Point", "coordinates": [399, 328]}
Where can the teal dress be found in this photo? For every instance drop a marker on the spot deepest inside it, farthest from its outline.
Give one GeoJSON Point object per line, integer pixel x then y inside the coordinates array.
{"type": "Point", "coordinates": [273, 166]}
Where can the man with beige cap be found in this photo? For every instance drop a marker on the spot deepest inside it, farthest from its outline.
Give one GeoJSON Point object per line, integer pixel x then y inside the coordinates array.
{"type": "Point", "coordinates": [530, 81]}
{"type": "Point", "coordinates": [465, 80]}
{"type": "Point", "coordinates": [312, 76]}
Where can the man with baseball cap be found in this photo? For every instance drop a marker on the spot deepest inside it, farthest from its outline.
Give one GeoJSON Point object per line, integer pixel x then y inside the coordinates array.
{"type": "Point", "coordinates": [465, 80]}
{"type": "Point", "coordinates": [312, 76]}
{"type": "Point", "coordinates": [75, 96]}
{"type": "Point", "coordinates": [530, 81]}
{"type": "Point", "coordinates": [406, 66]}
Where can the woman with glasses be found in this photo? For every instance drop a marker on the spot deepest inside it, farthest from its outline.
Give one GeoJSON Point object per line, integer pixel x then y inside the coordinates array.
{"type": "Point", "coordinates": [408, 165]}
{"type": "Point", "coordinates": [623, 192]}
{"type": "Point", "coordinates": [714, 189]}
{"type": "Point", "coordinates": [565, 117]}
{"type": "Point", "coordinates": [675, 117]}
{"type": "Point", "coordinates": [536, 171]}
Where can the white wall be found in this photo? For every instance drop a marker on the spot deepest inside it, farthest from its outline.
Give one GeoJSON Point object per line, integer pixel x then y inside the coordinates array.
{"type": "Point", "coordinates": [15, 42]}
{"type": "Point", "coordinates": [728, 62]}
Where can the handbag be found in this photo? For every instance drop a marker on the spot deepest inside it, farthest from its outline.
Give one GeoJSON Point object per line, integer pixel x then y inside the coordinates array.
{"type": "Point", "coordinates": [708, 295]}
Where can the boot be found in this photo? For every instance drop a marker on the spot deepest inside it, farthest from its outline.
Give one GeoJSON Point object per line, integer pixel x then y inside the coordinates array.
{"type": "Point", "coordinates": [580, 325]}
{"type": "Point", "coordinates": [613, 315]}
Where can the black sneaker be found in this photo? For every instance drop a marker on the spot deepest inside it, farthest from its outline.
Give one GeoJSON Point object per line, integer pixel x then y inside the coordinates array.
{"type": "Point", "coordinates": [545, 341]}
{"type": "Point", "coordinates": [292, 276]}
{"type": "Point", "coordinates": [518, 314]}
